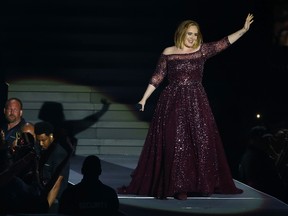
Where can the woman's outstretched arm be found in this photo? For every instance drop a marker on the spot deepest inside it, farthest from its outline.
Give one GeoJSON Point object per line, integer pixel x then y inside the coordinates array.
{"type": "Point", "coordinates": [236, 35]}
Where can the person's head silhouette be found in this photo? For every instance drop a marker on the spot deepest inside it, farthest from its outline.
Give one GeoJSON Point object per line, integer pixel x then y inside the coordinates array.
{"type": "Point", "coordinates": [91, 167]}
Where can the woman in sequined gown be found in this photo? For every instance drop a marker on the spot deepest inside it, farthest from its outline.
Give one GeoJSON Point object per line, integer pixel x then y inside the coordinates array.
{"type": "Point", "coordinates": [183, 153]}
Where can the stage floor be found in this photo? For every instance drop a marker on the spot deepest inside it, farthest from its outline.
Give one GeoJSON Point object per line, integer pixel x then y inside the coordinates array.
{"type": "Point", "coordinates": [116, 170]}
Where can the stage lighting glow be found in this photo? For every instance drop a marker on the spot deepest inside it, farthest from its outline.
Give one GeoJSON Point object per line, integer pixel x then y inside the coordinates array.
{"type": "Point", "coordinates": [258, 115]}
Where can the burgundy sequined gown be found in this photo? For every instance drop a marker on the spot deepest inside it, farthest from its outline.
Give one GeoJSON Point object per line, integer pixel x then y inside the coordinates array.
{"type": "Point", "coordinates": [183, 151]}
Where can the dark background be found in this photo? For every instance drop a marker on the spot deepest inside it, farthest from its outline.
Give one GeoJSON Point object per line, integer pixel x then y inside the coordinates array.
{"type": "Point", "coordinates": [117, 43]}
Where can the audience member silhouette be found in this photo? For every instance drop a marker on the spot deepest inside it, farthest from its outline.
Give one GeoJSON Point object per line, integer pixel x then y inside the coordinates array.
{"type": "Point", "coordinates": [257, 167]}
{"type": "Point", "coordinates": [253, 142]}
{"type": "Point", "coordinates": [90, 196]}
{"type": "Point", "coordinates": [16, 195]}
{"type": "Point", "coordinates": [54, 162]}
{"type": "Point", "coordinates": [26, 142]}
{"type": "Point", "coordinates": [28, 127]}
{"type": "Point", "coordinates": [282, 159]}
{"type": "Point", "coordinates": [37, 195]}
{"type": "Point", "coordinates": [24, 145]}
{"type": "Point", "coordinates": [66, 130]}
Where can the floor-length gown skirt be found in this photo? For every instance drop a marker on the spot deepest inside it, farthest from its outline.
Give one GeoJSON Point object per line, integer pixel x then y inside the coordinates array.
{"type": "Point", "coordinates": [183, 151]}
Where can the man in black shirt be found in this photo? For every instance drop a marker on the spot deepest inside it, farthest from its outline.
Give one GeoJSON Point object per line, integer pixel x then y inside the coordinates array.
{"type": "Point", "coordinates": [54, 163]}
{"type": "Point", "coordinates": [90, 196]}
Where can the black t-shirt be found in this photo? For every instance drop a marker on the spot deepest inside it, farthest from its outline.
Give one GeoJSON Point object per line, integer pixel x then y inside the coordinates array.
{"type": "Point", "coordinates": [89, 197]}
{"type": "Point", "coordinates": [50, 161]}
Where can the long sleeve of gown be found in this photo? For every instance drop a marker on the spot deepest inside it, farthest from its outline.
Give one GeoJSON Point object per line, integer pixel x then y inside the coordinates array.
{"type": "Point", "coordinates": [160, 72]}
{"type": "Point", "coordinates": [213, 48]}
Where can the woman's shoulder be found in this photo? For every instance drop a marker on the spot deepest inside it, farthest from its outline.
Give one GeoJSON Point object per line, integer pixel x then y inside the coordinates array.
{"type": "Point", "coordinates": [173, 50]}
{"type": "Point", "coordinates": [169, 50]}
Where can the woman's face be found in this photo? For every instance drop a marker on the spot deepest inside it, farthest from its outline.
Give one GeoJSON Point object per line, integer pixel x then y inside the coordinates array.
{"type": "Point", "coordinates": [191, 37]}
